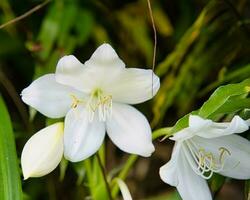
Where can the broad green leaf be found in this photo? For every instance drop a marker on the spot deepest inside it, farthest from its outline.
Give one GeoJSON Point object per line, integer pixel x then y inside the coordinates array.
{"type": "Point", "coordinates": [226, 99]}
{"type": "Point", "coordinates": [233, 106]}
{"type": "Point", "coordinates": [222, 95]}
{"type": "Point", "coordinates": [10, 184]}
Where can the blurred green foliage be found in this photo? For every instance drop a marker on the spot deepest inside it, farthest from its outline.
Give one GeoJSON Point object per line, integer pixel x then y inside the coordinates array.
{"type": "Point", "coordinates": [201, 45]}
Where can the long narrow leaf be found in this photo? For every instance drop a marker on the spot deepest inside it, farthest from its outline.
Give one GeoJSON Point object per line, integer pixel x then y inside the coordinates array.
{"type": "Point", "coordinates": [10, 184]}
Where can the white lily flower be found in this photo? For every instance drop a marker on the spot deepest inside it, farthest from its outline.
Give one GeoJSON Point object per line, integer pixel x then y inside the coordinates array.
{"type": "Point", "coordinates": [94, 97]}
{"type": "Point", "coordinates": [43, 151]}
{"type": "Point", "coordinates": [204, 148]}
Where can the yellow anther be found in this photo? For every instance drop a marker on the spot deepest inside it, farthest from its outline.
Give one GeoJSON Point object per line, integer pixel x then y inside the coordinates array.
{"type": "Point", "coordinates": [223, 151]}
{"type": "Point", "coordinates": [75, 101]}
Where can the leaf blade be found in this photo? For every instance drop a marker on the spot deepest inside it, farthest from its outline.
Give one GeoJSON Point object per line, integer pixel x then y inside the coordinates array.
{"type": "Point", "coordinates": [10, 183]}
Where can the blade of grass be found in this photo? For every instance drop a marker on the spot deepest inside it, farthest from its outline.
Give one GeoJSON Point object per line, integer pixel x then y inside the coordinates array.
{"type": "Point", "coordinates": [10, 183]}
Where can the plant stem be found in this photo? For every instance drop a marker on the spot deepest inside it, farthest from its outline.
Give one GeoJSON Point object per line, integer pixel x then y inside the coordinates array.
{"type": "Point", "coordinates": [155, 41]}
{"type": "Point", "coordinates": [123, 174]}
{"type": "Point", "coordinates": [36, 8]}
{"type": "Point", "coordinates": [104, 176]}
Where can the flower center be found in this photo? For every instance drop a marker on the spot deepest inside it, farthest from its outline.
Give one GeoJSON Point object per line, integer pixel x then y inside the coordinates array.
{"type": "Point", "coordinates": [97, 102]}
{"type": "Point", "coordinates": [101, 103]}
{"type": "Point", "coordinates": [205, 163]}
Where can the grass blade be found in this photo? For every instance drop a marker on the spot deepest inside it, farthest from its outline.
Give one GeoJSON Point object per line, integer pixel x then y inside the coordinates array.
{"type": "Point", "coordinates": [10, 183]}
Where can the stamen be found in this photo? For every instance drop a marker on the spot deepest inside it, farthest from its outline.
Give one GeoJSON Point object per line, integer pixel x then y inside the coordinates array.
{"type": "Point", "coordinates": [75, 101]}
{"type": "Point", "coordinates": [100, 103]}
{"type": "Point", "coordinates": [192, 163]}
{"type": "Point", "coordinates": [204, 162]}
{"type": "Point", "coordinates": [223, 151]}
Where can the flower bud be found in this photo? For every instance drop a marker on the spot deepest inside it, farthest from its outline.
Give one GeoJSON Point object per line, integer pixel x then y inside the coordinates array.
{"type": "Point", "coordinates": [43, 151]}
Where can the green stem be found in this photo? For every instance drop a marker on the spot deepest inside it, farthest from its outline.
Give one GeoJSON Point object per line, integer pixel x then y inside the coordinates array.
{"type": "Point", "coordinates": [132, 158]}
{"type": "Point", "coordinates": [104, 176]}
{"type": "Point", "coordinates": [87, 166]}
{"type": "Point", "coordinates": [166, 132]}
{"type": "Point", "coordinates": [123, 174]}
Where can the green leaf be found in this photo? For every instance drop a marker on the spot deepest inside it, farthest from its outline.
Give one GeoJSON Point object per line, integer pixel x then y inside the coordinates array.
{"type": "Point", "coordinates": [226, 99]}
{"type": "Point", "coordinates": [182, 123]}
{"type": "Point", "coordinates": [233, 106]}
{"type": "Point", "coordinates": [10, 183]}
{"type": "Point", "coordinates": [221, 96]}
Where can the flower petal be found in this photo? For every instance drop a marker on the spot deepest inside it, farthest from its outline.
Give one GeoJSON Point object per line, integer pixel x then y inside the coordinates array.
{"type": "Point", "coordinates": [81, 137]}
{"type": "Point", "coordinates": [190, 185]}
{"type": "Point", "coordinates": [69, 71]}
{"type": "Point", "coordinates": [101, 69]}
{"type": "Point", "coordinates": [183, 134]}
{"type": "Point", "coordinates": [124, 189]}
{"type": "Point", "coordinates": [168, 172]}
{"type": "Point", "coordinates": [43, 151]}
{"type": "Point", "coordinates": [49, 97]}
{"type": "Point", "coordinates": [105, 56]}
{"type": "Point", "coordinates": [130, 130]}
{"type": "Point", "coordinates": [134, 86]}
{"type": "Point", "coordinates": [236, 156]}
{"type": "Point", "coordinates": [210, 129]}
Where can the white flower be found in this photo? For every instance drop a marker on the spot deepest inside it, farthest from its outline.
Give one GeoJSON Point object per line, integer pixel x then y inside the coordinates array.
{"type": "Point", "coordinates": [94, 97]}
{"type": "Point", "coordinates": [204, 148]}
{"type": "Point", "coordinates": [43, 151]}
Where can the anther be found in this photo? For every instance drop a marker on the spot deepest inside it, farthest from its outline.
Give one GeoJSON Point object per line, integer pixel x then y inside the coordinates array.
{"type": "Point", "coordinates": [75, 101]}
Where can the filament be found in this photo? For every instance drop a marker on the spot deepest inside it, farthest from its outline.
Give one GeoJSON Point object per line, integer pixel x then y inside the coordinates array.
{"type": "Point", "coordinates": [202, 162]}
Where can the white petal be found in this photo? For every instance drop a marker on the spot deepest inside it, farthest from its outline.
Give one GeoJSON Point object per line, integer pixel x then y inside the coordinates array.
{"type": "Point", "coordinates": [81, 137]}
{"type": "Point", "coordinates": [196, 122]}
{"type": "Point", "coordinates": [168, 172]}
{"type": "Point", "coordinates": [49, 97]}
{"type": "Point", "coordinates": [183, 134]}
{"type": "Point", "coordinates": [69, 71]}
{"type": "Point", "coordinates": [130, 130]}
{"type": "Point", "coordinates": [101, 69]}
{"type": "Point", "coordinates": [190, 185]}
{"type": "Point", "coordinates": [248, 122]}
{"type": "Point", "coordinates": [134, 86]}
{"type": "Point", "coordinates": [212, 129]}
{"type": "Point", "coordinates": [124, 189]}
{"type": "Point", "coordinates": [237, 157]}
{"type": "Point", "coordinates": [105, 56]}
{"type": "Point", "coordinates": [43, 151]}
{"type": "Point", "coordinates": [208, 129]}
